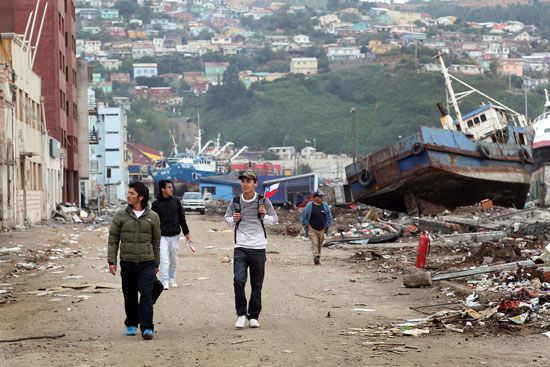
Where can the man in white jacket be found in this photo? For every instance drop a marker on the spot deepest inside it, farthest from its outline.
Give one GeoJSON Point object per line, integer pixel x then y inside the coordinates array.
{"type": "Point", "coordinates": [249, 213]}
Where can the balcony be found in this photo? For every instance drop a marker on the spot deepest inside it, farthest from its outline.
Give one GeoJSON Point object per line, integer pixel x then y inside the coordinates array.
{"type": "Point", "coordinates": [94, 137]}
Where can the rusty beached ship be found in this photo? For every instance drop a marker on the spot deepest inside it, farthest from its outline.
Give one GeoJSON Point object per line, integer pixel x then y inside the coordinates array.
{"type": "Point", "coordinates": [485, 154]}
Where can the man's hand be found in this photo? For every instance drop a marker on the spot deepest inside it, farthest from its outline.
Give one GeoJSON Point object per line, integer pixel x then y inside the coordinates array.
{"type": "Point", "coordinates": [236, 217]}
{"type": "Point", "coordinates": [262, 210]}
{"type": "Point", "coordinates": [113, 269]}
{"type": "Point", "coordinates": [156, 270]}
{"type": "Point", "coordinates": [188, 237]}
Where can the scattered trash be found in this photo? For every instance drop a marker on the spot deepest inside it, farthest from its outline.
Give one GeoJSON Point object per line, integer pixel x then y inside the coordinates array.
{"type": "Point", "coordinates": [415, 332]}
{"type": "Point", "coordinates": [359, 309]}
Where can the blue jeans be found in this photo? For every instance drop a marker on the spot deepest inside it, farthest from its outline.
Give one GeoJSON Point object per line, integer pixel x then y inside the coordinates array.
{"type": "Point", "coordinates": [244, 259]}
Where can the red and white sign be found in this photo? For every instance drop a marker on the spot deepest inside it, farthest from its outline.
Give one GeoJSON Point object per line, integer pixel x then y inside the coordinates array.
{"type": "Point", "coordinates": [272, 190]}
{"type": "Point", "coordinates": [98, 187]}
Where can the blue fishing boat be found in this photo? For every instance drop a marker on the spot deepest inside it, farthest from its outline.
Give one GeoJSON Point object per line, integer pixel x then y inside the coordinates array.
{"type": "Point", "coordinates": [186, 169]}
{"type": "Point", "coordinates": [485, 154]}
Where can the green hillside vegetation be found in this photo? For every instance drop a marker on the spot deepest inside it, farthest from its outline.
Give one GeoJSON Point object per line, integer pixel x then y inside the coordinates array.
{"type": "Point", "coordinates": [390, 104]}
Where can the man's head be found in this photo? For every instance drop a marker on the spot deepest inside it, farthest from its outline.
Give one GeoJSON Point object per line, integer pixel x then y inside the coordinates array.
{"type": "Point", "coordinates": [166, 188]}
{"type": "Point", "coordinates": [318, 197]}
{"type": "Point", "coordinates": [249, 181]}
{"type": "Point", "coordinates": [138, 195]}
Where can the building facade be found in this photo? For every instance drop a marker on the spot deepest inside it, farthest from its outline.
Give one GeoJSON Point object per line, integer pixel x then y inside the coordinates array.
{"type": "Point", "coordinates": [55, 64]}
{"type": "Point", "coordinates": [109, 155]}
{"type": "Point", "coordinates": [30, 160]}
{"type": "Point", "coordinates": [303, 65]}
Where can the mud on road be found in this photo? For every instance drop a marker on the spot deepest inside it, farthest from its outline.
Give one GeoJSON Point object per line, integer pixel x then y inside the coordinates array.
{"type": "Point", "coordinates": [334, 314]}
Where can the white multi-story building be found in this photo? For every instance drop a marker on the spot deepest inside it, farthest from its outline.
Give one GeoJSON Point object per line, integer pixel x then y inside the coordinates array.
{"type": "Point", "coordinates": [340, 54]}
{"type": "Point", "coordinates": [303, 65]}
{"type": "Point", "coordinates": [108, 158]}
{"type": "Point", "coordinates": [145, 70]}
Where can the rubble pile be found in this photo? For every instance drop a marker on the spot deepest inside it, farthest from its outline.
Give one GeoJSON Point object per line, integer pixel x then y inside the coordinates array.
{"type": "Point", "coordinates": [69, 212]}
{"type": "Point", "coordinates": [491, 261]}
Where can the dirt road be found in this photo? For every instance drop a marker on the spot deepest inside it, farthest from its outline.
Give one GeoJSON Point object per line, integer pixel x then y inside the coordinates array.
{"type": "Point", "coordinates": [194, 323]}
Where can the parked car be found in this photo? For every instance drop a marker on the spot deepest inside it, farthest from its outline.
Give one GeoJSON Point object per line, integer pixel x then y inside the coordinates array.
{"type": "Point", "coordinates": [193, 201]}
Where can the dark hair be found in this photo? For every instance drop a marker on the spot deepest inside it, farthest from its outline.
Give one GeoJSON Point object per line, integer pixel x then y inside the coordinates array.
{"type": "Point", "coordinates": [141, 190]}
{"type": "Point", "coordinates": [163, 183]}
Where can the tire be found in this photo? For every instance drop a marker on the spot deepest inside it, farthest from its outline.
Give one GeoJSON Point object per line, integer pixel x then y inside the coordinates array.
{"type": "Point", "coordinates": [525, 155]}
{"type": "Point", "coordinates": [417, 148]}
{"type": "Point", "coordinates": [484, 151]}
{"type": "Point", "coordinates": [366, 178]}
{"type": "Point", "coordinates": [203, 212]}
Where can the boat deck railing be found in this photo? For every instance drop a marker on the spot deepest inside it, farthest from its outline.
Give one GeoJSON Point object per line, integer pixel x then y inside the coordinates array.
{"type": "Point", "coordinates": [544, 116]}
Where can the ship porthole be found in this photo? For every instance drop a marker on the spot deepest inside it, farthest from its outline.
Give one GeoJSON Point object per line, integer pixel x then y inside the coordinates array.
{"type": "Point", "coordinates": [417, 148]}
{"type": "Point", "coordinates": [525, 155]}
{"type": "Point", "coordinates": [366, 178]}
{"type": "Point", "coordinates": [484, 151]}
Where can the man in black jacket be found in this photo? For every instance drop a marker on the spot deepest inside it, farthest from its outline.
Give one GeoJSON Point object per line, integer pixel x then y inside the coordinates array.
{"type": "Point", "coordinates": [172, 217]}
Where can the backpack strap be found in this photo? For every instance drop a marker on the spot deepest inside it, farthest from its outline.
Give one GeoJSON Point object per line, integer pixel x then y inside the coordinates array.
{"type": "Point", "coordinates": [236, 209]}
{"type": "Point", "coordinates": [261, 201]}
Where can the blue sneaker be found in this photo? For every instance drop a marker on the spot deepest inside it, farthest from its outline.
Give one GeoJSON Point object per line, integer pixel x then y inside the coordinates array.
{"type": "Point", "coordinates": [148, 334]}
{"type": "Point", "coordinates": [131, 330]}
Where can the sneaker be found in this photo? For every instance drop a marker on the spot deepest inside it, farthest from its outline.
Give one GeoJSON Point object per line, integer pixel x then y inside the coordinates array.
{"type": "Point", "coordinates": [148, 334]}
{"type": "Point", "coordinates": [254, 323]}
{"type": "Point", "coordinates": [166, 287]}
{"type": "Point", "coordinates": [131, 330]}
{"type": "Point", "coordinates": [317, 260]}
{"type": "Point", "coordinates": [241, 321]}
{"type": "Point", "coordinates": [173, 283]}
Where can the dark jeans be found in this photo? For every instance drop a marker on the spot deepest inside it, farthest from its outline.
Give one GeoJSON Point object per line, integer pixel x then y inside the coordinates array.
{"type": "Point", "coordinates": [138, 277]}
{"type": "Point", "coordinates": [243, 259]}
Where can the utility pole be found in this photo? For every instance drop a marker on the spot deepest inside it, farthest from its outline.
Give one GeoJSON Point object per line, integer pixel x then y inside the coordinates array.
{"type": "Point", "coordinates": [353, 133]}
{"type": "Point", "coordinates": [526, 108]}
{"type": "Point", "coordinates": [416, 53]}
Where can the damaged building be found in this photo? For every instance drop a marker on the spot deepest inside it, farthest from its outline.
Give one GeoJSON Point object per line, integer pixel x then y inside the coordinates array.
{"type": "Point", "coordinates": [30, 160]}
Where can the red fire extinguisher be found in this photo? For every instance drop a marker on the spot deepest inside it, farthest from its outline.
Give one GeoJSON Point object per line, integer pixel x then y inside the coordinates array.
{"type": "Point", "coordinates": [423, 250]}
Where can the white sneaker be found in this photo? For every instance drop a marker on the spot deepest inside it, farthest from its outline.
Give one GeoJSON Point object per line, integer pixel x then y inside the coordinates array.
{"type": "Point", "coordinates": [173, 283]}
{"type": "Point", "coordinates": [165, 286]}
{"type": "Point", "coordinates": [241, 321]}
{"type": "Point", "coordinates": [254, 323]}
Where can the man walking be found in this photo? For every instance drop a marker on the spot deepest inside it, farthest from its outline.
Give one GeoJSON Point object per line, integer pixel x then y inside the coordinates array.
{"type": "Point", "coordinates": [316, 219]}
{"type": "Point", "coordinates": [249, 213]}
{"type": "Point", "coordinates": [172, 217]}
{"type": "Point", "coordinates": [136, 231]}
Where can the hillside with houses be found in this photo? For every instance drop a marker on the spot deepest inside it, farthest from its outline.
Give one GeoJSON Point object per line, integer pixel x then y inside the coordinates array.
{"type": "Point", "coordinates": [175, 55]}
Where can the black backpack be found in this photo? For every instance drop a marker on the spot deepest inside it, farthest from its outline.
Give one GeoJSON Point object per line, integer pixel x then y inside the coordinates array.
{"type": "Point", "coordinates": [237, 209]}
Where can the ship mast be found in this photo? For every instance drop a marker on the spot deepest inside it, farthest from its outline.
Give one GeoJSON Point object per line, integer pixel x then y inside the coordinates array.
{"type": "Point", "coordinates": [448, 83]}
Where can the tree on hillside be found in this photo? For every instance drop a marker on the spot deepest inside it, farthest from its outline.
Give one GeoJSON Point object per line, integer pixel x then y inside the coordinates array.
{"type": "Point", "coordinates": [126, 8]}
{"type": "Point", "coordinates": [204, 35]}
{"type": "Point", "coordinates": [153, 81]}
{"type": "Point", "coordinates": [230, 91]}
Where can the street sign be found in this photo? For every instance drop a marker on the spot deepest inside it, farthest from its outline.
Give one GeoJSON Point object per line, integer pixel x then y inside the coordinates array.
{"type": "Point", "coordinates": [98, 187]}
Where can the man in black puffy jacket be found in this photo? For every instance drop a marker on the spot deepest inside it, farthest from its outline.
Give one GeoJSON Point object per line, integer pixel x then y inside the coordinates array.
{"type": "Point", "coordinates": [172, 217]}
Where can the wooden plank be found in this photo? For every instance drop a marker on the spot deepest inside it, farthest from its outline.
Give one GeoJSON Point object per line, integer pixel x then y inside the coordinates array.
{"type": "Point", "coordinates": [483, 270]}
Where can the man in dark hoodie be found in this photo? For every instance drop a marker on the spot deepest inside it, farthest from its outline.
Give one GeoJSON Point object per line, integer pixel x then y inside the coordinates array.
{"type": "Point", "coordinates": [136, 232]}
{"type": "Point", "coordinates": [172, 217]}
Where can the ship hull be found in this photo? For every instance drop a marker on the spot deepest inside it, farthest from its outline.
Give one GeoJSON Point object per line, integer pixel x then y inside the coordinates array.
{"type": "Point", "coordinates": [439, 169]}
{"type": "Point", "coordinates": [184, 179]}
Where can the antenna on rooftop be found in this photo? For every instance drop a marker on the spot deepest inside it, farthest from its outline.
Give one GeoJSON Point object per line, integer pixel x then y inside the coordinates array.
{"type": "Point", "coordinates": [29, 49]}
{"type": "Point", "coordinates": [39, 34]}
{"type": "Point", "coordinates": [27, 28]}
